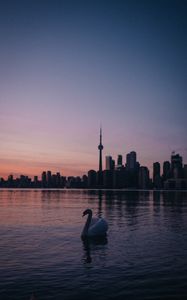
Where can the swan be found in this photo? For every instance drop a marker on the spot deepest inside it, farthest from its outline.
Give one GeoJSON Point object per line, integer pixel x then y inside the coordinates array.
{"type": "Point", "coordinates": [94, 227]}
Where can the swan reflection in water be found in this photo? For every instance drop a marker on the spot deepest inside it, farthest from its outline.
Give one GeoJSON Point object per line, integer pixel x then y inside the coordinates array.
{"type": "Point", "coordinates": [90, 245]}
{"type": "Point", "coordinates": [93, 234]}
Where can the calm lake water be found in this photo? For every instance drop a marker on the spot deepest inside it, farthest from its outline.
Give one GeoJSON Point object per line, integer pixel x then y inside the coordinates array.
{"type": "Point", "coordinates": [143, 257]}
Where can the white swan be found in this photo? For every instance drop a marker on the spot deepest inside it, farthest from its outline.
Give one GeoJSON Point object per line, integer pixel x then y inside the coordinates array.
{"type": "Point", "coordinates": [94, 227]}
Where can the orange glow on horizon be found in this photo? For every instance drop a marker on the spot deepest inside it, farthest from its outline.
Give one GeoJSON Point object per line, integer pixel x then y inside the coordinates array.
{"type": "Point", "coordinates": [31, 169]}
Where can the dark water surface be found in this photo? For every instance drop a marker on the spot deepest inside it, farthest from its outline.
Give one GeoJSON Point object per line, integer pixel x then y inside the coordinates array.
{"type": "Point", "coordinates": [143, 257]}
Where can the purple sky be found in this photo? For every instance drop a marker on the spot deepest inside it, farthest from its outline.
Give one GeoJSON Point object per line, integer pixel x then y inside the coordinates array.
{"type": "Point", "coordinates": [67, 66]}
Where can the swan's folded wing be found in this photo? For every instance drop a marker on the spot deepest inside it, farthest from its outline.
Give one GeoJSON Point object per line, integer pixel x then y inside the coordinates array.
{"type": "Point", "coordinates": [99, 227]}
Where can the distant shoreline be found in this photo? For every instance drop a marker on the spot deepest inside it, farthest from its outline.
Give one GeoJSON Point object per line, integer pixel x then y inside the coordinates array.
{"type": "Point", "coordinates": [93, 189]}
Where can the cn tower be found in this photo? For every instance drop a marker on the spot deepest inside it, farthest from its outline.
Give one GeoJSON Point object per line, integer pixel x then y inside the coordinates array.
{"type": "Point", "coordinates": [100, 147]}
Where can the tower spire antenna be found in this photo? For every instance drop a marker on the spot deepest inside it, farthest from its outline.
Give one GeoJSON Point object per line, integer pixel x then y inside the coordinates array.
{"type": "Point", "coordinates": [100, 133]}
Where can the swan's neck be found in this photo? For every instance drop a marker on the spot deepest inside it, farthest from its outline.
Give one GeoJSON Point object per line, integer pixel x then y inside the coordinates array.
{"type": "Point", "coordinates": [87, 224]}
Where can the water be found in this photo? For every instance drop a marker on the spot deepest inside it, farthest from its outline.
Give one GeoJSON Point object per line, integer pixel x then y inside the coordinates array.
{"type": "Point", "coordinates": [143, 257]}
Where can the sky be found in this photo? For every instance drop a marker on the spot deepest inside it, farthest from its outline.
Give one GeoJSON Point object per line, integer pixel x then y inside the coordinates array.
{"type": "Point", "coordinates": [68, 66]}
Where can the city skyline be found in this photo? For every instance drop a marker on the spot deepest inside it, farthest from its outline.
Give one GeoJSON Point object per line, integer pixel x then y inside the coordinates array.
{"type": "Point", "coordinates": [67, 66]}
{"type": "Point", "coordinates": [130, 175]}
{"type": "Point", "coordinates": [128, 161]}
{"type": "Point", "coordinates": [108, 158]}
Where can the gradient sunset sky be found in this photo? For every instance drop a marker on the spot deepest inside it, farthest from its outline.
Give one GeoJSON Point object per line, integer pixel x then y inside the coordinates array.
{"type": "Point", "coordinates": [67, 66]}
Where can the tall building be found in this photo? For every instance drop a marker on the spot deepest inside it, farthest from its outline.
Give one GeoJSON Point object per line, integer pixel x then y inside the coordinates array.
{"type": "Point", "coordinates": [100, 175]}
{"type": "Point", "coordinates": [113, 164]}
{"type": "Point", "coordinates": [156, 175]}
{"type": "Point", "coordinates": [58, 177]}
{"type": "Point", "coordinates": [108, 162]}
{"type": "Point", "coordinates": [144, 178]}
{"type": "Point", "coordinates": [44, 179]}
{"type": "Point", "coordinates": [131, 161]}
{"type": "Point", "coordinates": [120, 160]}
{"type": "Point", "coordinates": [132, 167]}
{"type": "Point", "coordinates": [166, 170]}
{"type": "Point", "coordinates": [49, 178]}
{"type": "Point", "coordinates": [176, 165]}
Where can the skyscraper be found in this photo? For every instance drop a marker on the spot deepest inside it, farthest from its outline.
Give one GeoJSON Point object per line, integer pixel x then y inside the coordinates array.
{"type": "Point", "coordinates": [156, 175]}
{"type": "Point", "coordinates": [44, 179]}
{"type": "Point", "coordinates": [143, 178]}
{"type": "Point", "coordinates": [49, 178]}
{"type": "Point", "coordinates": [176, 165]}
{"type": "Point", "coordinates": [131, 160]}
{"type": "Point", "coordinates": [166, 170]}
{"type": "Point", "coordinates": [108, 162]}
{"type": "Point", "coordinates": [120, 160]}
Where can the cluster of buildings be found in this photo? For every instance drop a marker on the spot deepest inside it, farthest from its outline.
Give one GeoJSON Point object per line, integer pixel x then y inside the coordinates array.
{"type": "Point", "coordinates": [134, 176]}
{"type": "Point", "coordinates": [116, 175]}
{"type": "Point", "coordinates": [48, 180]}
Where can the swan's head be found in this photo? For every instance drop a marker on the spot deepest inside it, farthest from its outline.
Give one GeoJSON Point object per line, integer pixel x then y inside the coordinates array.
{"type": "Point", "coordinates": [87, 212]}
